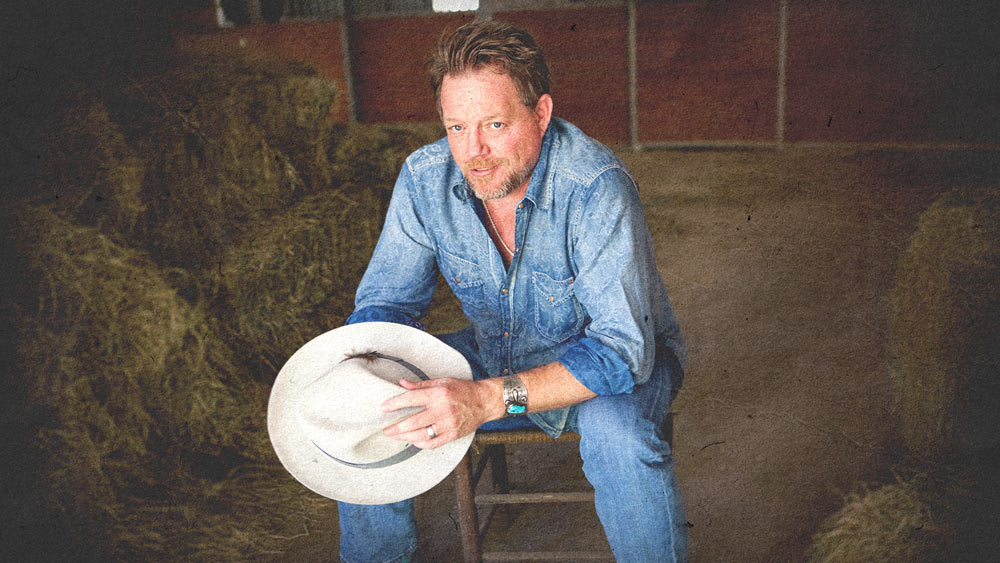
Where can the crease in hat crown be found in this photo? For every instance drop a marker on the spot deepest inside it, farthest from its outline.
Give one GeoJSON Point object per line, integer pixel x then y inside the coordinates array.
{"type": "Point", "coordinates": [339, 411]}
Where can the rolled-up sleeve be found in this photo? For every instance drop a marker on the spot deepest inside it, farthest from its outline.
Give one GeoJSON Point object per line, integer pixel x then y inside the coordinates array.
{"type": "Point", "coordinates": [615, 272]}
{"type": "Point", "coordinates": [399, 281]}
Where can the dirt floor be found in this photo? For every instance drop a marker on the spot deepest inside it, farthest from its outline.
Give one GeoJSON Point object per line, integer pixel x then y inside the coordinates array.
{"type": "Point", "coordinates": [779, 264]}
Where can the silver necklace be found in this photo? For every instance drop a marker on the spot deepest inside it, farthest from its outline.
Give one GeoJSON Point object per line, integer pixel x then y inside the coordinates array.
{"type": "Point", "coordinates": [497, 231]}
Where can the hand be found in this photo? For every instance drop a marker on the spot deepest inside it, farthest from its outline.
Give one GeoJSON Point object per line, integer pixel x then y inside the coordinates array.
{"type": "Point", "coordinates": [454, 407]}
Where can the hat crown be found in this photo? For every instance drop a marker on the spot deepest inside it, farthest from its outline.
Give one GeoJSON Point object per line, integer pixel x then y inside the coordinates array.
{"type": "Point", "coordinates": [339, 412]}
{"type": "Point", "coordinates": [329, 395]}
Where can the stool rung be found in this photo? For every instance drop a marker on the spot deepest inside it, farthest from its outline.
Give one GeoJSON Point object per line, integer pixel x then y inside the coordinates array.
{"type": "Point", "coordinates": [525, 498]}
{"type": "Point", "coordinates": [546, 556]}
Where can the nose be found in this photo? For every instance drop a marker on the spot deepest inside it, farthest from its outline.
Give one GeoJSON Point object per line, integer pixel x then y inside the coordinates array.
{"type": "Point", "coordinates": [475, 143]}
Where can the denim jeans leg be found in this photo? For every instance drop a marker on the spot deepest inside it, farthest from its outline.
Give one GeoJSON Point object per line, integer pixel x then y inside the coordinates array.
{"type": "Point", "coordinates": [380, 533]}
{"type": "Point", "coordinates": [464, 341]}
{"type": "Point", "coordinates": [388, 532]}
{"type": "Point", "coordinates": [628, 462]}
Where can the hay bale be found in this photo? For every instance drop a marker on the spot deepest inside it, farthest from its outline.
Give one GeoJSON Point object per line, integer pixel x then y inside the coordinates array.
{"type": "Point", "coordinates": [895, 523]}
{"type": "Point", "coordinates": [90, 175]}
{"type": "Point", "coordinates": [945, 321]}
{"type": "Point", "coordinates": [229, 141]}
{"type": "Point", "coordinates": [932, 514]}
{"type": "Point", "coordinates": [371, 155]}
{"type": "Point", "coordinates": [295, 276]}
{"type": "Point", "coordinates": [153, 438]}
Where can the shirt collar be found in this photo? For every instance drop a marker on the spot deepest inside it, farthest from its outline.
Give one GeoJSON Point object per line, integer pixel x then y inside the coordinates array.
{"type": "Point", "coordinates": [539, 187]}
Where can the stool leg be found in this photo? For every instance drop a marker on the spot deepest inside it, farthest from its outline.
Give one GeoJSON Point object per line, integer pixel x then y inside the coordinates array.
{"type": "Point", "coordinates": [468, 519]}
{"type": "Point", "coordinates": [498, 466]}
{"type": "Point", "coordinates": [501, 482]}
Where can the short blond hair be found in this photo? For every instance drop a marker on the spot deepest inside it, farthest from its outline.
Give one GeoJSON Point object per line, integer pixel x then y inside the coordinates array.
{"type": "Point", "coordinates": [489, 43]}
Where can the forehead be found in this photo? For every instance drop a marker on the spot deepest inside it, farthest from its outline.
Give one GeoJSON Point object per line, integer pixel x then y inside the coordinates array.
{"type": "Point", "coordinates": [478, 92]}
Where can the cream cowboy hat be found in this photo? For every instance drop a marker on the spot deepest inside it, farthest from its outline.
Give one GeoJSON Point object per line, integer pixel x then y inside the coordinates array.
{"type": "Point", "coordinates": [324, 420]}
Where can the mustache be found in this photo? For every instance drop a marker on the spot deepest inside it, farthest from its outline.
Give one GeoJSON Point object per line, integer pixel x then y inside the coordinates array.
{"type": "Point", "coordinates": [484, 163]}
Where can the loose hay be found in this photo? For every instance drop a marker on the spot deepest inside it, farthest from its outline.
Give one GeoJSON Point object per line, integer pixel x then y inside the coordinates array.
{"type": "Point", "coordinates": [193, 219]}
{"type": "Point", "coordinates": [295, 278]}
{"type": "Point", "coordinates": [293, 275]}
{"type": "Point", "coordinates": [228, 141]}
{"type": "Point", "coordinates": [895, 523]}
{"type": "Point", "coordinates": [938, 514]}
{"type": "Point", "coordinates": [945, 343]}
{"type": "Point", "coordinates": [91, 176]}
{"type": "Point", "coordinates": [371, 156]}
{"type": "Point", "coordinates": [152, 435]}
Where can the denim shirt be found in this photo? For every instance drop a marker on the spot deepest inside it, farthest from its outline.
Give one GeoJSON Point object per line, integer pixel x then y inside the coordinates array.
{"type": "Point", "coordinates": [582, 288]}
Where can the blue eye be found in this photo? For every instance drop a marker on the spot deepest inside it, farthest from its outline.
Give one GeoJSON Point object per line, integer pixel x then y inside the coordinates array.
{"type": "Point", "coordinates": [496, 125]}
{"type": "Point", "coordinates": [456, 128]}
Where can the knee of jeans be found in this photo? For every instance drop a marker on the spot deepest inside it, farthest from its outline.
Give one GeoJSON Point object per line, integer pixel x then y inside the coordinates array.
{"type": "Point", "coordinates": [617, 443]}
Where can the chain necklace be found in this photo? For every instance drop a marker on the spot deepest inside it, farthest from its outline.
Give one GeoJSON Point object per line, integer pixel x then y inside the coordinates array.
{"type": "Point", "coordinates": [497, 231]}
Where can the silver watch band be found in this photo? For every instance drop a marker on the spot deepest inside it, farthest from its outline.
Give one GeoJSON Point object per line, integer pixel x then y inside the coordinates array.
{"type": "Point", "coordinates": [515, 396]}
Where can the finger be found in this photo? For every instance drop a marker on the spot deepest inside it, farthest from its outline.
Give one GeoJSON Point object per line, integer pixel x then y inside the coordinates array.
{"type": "Point", "coordinates": [413, 398]}
{"type": "Point", "coordinates": [423, 384]}
{"type": "Point", "coordinates": [438, 441]}
{"type": "Point", "coordinates": [420, 440]}
{"type": "Point", "coordinates": [419, 437]}
{"type": "Point", "coordinates": [407, 384]}
{"type": "Point", "coordinates": [416, 422]}
{"type": "Point", "coordinates": [429, 444]}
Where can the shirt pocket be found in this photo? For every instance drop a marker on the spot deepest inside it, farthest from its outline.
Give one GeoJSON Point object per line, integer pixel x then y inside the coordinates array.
{"type": "Point", "coordinates": [466, 280]}
{"type": "Point", "coordinates": [558, 314]}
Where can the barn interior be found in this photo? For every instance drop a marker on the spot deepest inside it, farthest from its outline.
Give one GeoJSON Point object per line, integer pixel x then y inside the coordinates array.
{"type": "Point", "coordinates": [194, 189]}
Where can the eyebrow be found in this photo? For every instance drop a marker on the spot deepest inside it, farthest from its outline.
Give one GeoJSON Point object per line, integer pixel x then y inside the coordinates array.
{"type": "Point", "coordinates": [493, 117]}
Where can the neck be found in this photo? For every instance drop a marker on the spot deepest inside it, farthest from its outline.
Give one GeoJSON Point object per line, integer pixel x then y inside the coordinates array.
{"type": "Point", "coordinates": [500, 225]}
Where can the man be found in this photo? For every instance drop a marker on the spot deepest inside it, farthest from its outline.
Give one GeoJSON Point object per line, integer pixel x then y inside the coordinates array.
{"type": "Point", "coordinates": [540, 233]}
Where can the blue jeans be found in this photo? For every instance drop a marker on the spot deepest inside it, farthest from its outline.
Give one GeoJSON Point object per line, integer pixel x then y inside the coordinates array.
{"type": "Point", "coordinates": [625, 458]}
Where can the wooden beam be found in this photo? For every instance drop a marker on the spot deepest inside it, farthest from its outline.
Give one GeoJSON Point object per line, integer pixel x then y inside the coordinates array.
{"type": "Point", "coordinates": [353, 111]}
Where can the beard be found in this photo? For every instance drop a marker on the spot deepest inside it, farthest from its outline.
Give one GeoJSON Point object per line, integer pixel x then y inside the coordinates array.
{"type": "Point", "coordinates": [508, 184]}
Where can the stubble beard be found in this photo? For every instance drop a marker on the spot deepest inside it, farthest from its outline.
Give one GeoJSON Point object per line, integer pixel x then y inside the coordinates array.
{"type": "Point", "coordinates": [513, 181]}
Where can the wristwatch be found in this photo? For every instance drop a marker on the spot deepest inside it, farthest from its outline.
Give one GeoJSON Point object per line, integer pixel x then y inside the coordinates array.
{"type": "Point", "coordinates": [515, 396]}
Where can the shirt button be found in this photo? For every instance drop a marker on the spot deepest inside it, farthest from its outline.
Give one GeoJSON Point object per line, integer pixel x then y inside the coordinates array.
{"type": "Point", "coordinates": [506, 335]}
{"type": "Point", "coordinates": [504, 290]}
{"type": "Point", "coordinates": [520, 206]}
{"type": "Point", "coordinates": [506, 371]}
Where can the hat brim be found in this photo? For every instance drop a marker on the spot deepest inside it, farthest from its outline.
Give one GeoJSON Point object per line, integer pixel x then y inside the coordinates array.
{"type": "Point", "coordinates": [333, 479]}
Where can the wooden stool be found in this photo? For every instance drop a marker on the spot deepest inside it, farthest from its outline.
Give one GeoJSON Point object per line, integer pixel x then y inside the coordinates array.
{"type": "Point", "coordinates": [474, 529]}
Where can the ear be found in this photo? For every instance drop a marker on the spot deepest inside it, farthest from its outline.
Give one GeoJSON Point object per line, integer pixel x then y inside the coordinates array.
{"type": "Point", "coordinates": [543, 111]}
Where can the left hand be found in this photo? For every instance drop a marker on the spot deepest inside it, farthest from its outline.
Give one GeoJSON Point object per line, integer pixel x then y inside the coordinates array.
{"type": "Point", "coordinates": [454, 407]}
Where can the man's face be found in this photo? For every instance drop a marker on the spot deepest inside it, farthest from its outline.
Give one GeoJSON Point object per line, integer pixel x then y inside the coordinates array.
{"type": "Point", "coordinates": [493, 136]}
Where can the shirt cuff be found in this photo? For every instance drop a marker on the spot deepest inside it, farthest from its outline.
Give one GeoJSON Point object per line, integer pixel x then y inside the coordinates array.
{"type": "Point", "coordinates": [598, 367]}
{"type": "Point", "coordinates": [374, 313]}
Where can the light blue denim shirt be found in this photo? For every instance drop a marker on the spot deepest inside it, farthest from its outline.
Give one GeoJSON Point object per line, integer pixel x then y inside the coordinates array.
{"type": "Point", "coordinates": [582, 287]}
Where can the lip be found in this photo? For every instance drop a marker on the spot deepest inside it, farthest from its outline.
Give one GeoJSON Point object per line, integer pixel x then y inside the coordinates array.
{"type": "Point", "coordinates": [482, 171]}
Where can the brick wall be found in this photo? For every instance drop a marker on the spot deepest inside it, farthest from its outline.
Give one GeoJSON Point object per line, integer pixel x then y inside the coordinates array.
{"type": "Point", "coordinates": [856, 71]}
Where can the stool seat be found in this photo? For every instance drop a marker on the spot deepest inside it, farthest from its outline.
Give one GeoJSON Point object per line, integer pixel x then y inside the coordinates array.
{"type": "Point", "coordinates": [488, 447]}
